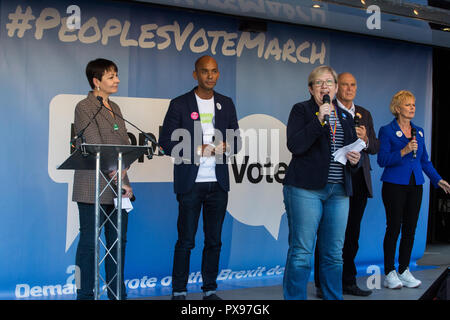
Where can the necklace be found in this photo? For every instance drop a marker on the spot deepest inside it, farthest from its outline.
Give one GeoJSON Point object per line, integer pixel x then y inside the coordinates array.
{"type": "Point", "coordinates": [333, 129]}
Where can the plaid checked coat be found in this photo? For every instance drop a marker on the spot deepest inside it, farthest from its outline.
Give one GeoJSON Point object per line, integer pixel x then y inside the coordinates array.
{"type": "Point", "coordinates": [100, 131]}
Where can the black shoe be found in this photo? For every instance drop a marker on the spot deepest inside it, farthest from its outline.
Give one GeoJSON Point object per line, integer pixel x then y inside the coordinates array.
{"type": "Point", "coordinates": [319, 293]}
{"type": "Point", "coordinates": [212, 297]}
{"type": "Point", "coordinates": [355, 291]}
{"type": "Point", "coordinates": [180, 297]}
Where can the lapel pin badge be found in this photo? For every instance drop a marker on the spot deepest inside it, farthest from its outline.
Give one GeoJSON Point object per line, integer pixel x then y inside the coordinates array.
{"type": "Point", "coordinates": [399, 134]}
{"type": "Point", "coordinates": [219, 106]}
{"type": "Point", "coordinates": [194, 115]}
{"type": "Point", "coordinates": [421, 134]}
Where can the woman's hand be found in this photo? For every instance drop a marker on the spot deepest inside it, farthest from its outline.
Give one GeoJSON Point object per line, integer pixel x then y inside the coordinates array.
{"type": "Point", "coordinates": [128, 191]}
{"type": "Point", "coordinates": [444, 185]}
{"type": "Point", "coordinates": [410, 147]}
{"type": "Point", "coordinates": [324, 110]}
{"type": "Point", "coordinates": [353, 157]}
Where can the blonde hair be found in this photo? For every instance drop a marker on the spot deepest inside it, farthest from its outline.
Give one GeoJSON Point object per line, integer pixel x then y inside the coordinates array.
{"type": "Point", "coordinates": [317, 72]}
{"type": "Point", "coordinates": [399, 98]}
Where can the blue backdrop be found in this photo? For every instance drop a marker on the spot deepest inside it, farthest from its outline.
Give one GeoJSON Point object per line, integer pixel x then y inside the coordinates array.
{"type": "Point", "coordinates": [155, 48]}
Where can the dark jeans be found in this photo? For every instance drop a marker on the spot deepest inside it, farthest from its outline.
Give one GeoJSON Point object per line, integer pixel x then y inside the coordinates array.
{"type": "Point", "coordinates": [402, 204]}
{"type": "Point", "coordinates": [213, 199]}
{"type": "Point", "coordinates": [85, 255]}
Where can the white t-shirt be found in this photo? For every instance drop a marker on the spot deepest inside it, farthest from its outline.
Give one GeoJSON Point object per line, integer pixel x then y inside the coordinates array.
{"type": "Point", "coordinates": [207, 169]}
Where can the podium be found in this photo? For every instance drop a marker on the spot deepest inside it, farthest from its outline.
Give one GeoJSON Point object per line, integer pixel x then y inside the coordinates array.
{"type": "Point", "coordinates": [106, 158]}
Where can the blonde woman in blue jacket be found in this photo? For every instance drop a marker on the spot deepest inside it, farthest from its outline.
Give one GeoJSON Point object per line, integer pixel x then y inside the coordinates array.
{"type": "Point", "coordinates": [404, 157]}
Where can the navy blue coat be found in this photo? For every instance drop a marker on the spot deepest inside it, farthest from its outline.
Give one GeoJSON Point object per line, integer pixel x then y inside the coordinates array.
{"type": "Point", "coordinates": [309, 142]}
{"type": "Point", "coordinates": [183, 113]}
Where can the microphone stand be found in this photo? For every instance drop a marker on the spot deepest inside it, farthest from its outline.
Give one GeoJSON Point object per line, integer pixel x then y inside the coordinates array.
{"type": "Point", "coordinates": [80, 135]}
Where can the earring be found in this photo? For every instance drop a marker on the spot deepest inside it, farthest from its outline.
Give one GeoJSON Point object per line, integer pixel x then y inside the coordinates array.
{"type": "Point", "coordinates": [98, 88]}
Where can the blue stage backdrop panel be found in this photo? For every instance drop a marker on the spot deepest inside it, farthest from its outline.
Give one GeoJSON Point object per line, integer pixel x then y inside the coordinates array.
{"type": "Point", "coordinates": [42, 65]}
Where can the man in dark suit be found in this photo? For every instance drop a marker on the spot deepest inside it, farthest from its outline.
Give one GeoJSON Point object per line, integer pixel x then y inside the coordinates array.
{"type": "Point", "coordinates": [361, 179]}
{"type": "Point", "coordinates": [200, 131]}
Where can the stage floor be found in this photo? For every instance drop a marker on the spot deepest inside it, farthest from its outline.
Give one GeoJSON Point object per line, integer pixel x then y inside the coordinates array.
{"type": "Point", "coordinates": [434, 261]}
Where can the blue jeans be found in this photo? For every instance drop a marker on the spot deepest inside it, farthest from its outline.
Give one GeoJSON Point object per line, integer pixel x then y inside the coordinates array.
{"type": "Point", "coordinates": [213, 199]}
{"type": "Point", "coordinates": [312, 214]}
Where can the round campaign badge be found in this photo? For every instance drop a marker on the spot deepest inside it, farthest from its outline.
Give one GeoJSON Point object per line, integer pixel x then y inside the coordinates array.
{"type": "Point", "coordinates": [399, 134]}
{"type": "Point", "coordinates": [194, 115]}
{"type": "Point", "coordinates": [421, 134]}
{"type": "Point", "coordinates": [219, 106]}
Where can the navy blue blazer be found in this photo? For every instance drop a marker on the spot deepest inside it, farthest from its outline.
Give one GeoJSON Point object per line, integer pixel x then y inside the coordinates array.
{"type": "Point", "coordinates": [183, 113]}
{"type": "Point", "coordinates": [398, 169]}
{"type": "Point", "coordinates": [309, 142]}
{"type": "Point", "coordinates": [374, 146]}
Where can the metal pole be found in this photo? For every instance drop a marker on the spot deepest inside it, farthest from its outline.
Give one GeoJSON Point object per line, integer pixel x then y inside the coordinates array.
{"type": "Point", "coordinates": [97, 225]}
{"type": "Point", "coordinates": [119, 227]}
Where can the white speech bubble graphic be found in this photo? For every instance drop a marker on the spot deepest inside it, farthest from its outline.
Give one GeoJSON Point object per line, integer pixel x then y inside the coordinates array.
{"type": "Point", "coordinates": [256, 197]}
{"type": "Point", "coordinates": [145, 113]}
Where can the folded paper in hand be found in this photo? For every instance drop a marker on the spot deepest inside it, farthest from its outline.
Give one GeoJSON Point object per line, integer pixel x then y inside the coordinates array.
{"type": "Point", "coordinates": [126, 204]}
{"type": "Point", "coordinates": [339, 155]}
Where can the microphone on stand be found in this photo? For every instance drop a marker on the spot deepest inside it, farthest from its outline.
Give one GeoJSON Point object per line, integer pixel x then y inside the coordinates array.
{"type": "Point", "coordinates": [326, 118]}
{"type": "Point", "coordinates": [147, 137]}
{"type": "Point", "coordinates": [80, 134]}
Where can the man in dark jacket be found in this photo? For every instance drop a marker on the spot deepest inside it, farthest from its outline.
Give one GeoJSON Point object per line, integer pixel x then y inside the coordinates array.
{"type": "Point", "coordinates": [361, 180]}
{"type": "Point", "coordinates": [200, 133]}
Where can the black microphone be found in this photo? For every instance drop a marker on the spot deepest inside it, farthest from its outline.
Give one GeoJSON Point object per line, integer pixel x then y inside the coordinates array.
{"type": "Point", "coordinates": [356, 120]}
{"type": "Point", "coordinates": [326, 118]}
{"type": "Point", "coordinates": [132, 198]}
{"type": "Point", "coordinates": [148, 137]}
{"type": "Point", "coordinates": [413, 137]}
{"type": "Point", "coordinates": [80, 134]}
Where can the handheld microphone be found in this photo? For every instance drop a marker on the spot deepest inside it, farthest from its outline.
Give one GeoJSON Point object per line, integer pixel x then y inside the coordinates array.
{"type": "Point", "coordinates": [326, 118]}
{"type": "Point", "coordinates": [413, 136]}
{"type": "Point", "coordinates": [132, 198]}
{"type": "Point", "coordinates": [356, 120]}
{"type": "Point", "coordinates": [148, 137]}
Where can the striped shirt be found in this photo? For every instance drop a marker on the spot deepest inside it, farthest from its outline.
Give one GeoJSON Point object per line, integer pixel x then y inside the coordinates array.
{"type": "Point", "coordinates": [336, 171]}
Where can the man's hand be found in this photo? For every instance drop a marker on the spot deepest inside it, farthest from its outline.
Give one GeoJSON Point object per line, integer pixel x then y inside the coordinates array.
{"type": "Point", "coordinates": [209, 150]}
{"type": "Point", "coordinates": [362, 133]}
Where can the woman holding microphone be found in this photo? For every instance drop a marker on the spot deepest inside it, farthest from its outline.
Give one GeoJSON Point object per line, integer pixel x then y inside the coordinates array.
{"type": "Point", "coordinates": [403, 156]}
{"type": "Point", "coordinates": [317, 188]}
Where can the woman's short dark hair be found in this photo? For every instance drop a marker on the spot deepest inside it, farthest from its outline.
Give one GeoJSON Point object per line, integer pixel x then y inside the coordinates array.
{"type": "Point", "coordinates": [97, 68]}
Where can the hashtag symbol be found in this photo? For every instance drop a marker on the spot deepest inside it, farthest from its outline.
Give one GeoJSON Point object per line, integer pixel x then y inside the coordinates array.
{"type": "Point", "coordinates": [19, 22]}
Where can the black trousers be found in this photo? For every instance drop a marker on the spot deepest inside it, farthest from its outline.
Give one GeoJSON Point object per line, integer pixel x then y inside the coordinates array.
{"type": "Point", "coordinates": [402, 204]}
{"type": "Point", "coordinates": [213, 199]}
{"type": "Point", "coordinates": [358, 204]}
{"type": "Point", "coordinates": [85, 255]}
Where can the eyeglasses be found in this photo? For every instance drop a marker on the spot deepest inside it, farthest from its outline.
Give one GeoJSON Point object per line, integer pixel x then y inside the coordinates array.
{"type": "Point", "coordinates": [319, 83]}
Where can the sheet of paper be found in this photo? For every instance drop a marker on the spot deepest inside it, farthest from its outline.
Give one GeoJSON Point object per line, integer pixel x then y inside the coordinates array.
{"type": "Point", "coordinates": [126, 204]}
{"type": "Point", "coordinates": [339, 155]}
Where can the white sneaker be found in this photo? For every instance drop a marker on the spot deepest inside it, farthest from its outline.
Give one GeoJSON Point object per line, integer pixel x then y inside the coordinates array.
{"type": "Point", "coordinates": [392, 281]}
{"type": "Point", "coordinates": [408, 280]}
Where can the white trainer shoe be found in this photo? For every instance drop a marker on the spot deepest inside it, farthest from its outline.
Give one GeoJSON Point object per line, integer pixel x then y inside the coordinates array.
{"type": "Point", "coordinates": [408, 280]}
{"type": "Point", "coordinates": [392, 281]}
